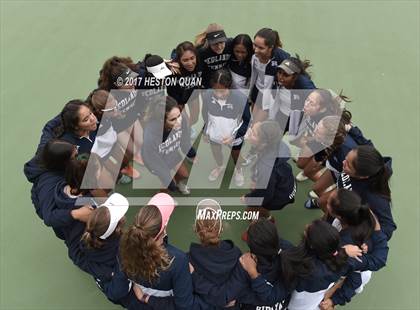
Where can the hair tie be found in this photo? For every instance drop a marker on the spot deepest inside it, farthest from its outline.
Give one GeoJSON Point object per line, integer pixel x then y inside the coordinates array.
{"type": "Point", "coordinates": [335, 253]}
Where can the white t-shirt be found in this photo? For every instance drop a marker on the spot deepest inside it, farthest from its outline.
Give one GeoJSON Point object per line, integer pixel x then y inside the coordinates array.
{"type": "Point", "coordinates": [281, 103]}
{"type": "Point", "coordinates": [260, 67]}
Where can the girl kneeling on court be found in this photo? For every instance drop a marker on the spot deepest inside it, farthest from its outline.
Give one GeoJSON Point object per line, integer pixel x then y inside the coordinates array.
{"type": "Point", "coordinates": [272, 178]}
{"type": "Point", "coordinates": [330, 145]}
{"type": "Point", "coordinates": [319, 104]}
{"type": "Point", "coordinates": [226, 117]}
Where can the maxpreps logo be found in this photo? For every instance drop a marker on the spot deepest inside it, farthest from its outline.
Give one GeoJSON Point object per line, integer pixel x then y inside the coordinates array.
{"type": "Point", "coordinates": [221, 215]}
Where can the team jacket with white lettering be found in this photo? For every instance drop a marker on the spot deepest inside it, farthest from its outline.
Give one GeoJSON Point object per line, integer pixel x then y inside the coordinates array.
{"type": "Point", "coordinates": [212, 62]}
{"type": "Point", "coordinates": [163, 150]}
{"type": "Point", "coordinates": [185, 85]}
{"type": "Point", "coordinates": [270, 74]}
{"type": "Point", "coordinates": [225, 120]}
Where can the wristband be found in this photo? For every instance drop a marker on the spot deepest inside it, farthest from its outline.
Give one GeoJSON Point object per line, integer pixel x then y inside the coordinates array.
{"type": "Point", "coordinates": [144, 297]}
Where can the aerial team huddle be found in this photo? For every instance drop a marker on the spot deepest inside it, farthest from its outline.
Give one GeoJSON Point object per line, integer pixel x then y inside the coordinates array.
{"type": "Point", "coordinates": [247, 90]}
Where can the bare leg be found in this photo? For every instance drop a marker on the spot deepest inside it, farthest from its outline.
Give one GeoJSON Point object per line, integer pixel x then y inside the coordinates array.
{"type": "Point", "coordinates": [325, 181]}
{"type": "Point", "coordinates": [181, 173]}
{"type": "Point", "coordinates": [216, 150]}
{"type": "Point", "coordinates": [194, 107]}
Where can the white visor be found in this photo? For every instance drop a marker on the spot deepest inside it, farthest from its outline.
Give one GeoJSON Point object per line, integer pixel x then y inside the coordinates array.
{"type": "Point", "coordinates": [159, 71]}
{"type": "Point", "coordinates": [117, 205]}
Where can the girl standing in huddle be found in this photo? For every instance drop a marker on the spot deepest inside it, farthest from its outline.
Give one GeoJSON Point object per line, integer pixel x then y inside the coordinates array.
{"type": "Point", "coordinates": [292, 83]}
{"type": "Point", "coordinates": [163, 153]}
{"type": "Point", "coordinates": [268, 54]}
{"type": "Point", "coordinates": [115, 77]}
{"type": "Point", "coordinates": [226, 117]}
{"type": "Point", "coordinates": [214, 50]}
{"type": "Point", "coordinates": [188, 80]}
{"type": "Point", "coordinates": [240, 62]}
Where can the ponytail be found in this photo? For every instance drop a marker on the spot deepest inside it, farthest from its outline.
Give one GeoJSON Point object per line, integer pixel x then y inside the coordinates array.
{"type": "Point", "coordinates": [340, 101]}
{"type": "Point", "coordinates": [97, 101]}
{"type": "Point", "coordinates": [277, 41]}
{"type": "Point", "coordinates": [323, 241]}
{"type": "Point", "coordinates": [142, 258]}
{"type": "Point", "coordinates": [74, 174]}
{"type": "Point", "coordinates": [200, 39]}
{"type": "Point", "coordinates": [263, 241]}
{"type": "Point", "coordinates": [347, 205]}
{"type": "Point", "coordinates": [208, 231]}
{"type": "Point", "coordinates": [341, 97]}
{"type": "Point", "coordinates": [96, 226]}
{"type": "Point", "coordinates": [91, 241]}
{"type": "Point", "coordinates": [271, 37]}
{"type": "Point", "coordinates": [362, 232]}
{"type": "Point", "coordinates": [295, 263]}
{"type": "Point", "coordinates": [301, 64]}
{"type": "Point", "coordinates": [370, 163]}
{"type": "Point", "coordinates": [335, 260]}
{"type": "Point", "coordinates": [335, 132]}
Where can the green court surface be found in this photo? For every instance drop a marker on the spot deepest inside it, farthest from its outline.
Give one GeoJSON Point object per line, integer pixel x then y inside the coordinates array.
{"type": "Point", "coordinates": [51, 52]}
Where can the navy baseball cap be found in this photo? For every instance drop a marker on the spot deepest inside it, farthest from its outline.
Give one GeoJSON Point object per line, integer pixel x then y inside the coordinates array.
{"type": "Point", "coordinates": [216, 37]}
